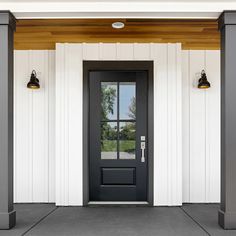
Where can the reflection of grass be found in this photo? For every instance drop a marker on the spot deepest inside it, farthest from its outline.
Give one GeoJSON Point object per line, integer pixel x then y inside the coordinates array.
{"type": "Point", "coordinates": [109, 146]}
{"type": "Point", "coordinates": [125, 146]}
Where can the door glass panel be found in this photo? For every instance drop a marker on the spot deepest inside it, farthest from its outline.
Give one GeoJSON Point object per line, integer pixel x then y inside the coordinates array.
{"type": "Point", "coordinates": [118, 115]}
{"type": "Point", "coordinates": [127, 135]}
{"type": "Point", "coordinates": [108, 140]}
{"type": "Point", "coordinates": [109, 100]}
{"type": "Point", "coordinates": [127, 101]}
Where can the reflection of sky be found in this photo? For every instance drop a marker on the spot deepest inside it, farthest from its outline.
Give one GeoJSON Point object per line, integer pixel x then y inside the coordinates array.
{"type": "Point", "coordinates": [127, 91]}
{"type": "Point", "coordinates": [126, 94]}
{"type": "Point", "coordinates": [113, 124]}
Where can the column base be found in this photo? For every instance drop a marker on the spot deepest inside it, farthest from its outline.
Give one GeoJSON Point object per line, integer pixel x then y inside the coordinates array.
{"type": "Point", "coordinates": [7, 220]}
{"type": "Point", "coordinates": [227, 220]}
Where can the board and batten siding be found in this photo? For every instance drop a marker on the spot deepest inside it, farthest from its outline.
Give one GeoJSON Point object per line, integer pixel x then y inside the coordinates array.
{"type": "Point", "coordinates": [201, 127]}
{"type": "Point", "coordinates": [167, 116]}
{"type": "Point", "coordinates": [34, 119]}
{"type": "Point", "coordinates": [34, 122]}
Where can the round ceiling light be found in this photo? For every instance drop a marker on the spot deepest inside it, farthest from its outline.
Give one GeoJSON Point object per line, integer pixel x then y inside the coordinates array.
{"type": "Point", "coordinates": [118, 25]}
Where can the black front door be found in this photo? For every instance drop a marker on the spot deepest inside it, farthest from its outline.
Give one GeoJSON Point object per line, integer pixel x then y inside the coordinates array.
{"type": "Point", "coordinates": [118, 158]}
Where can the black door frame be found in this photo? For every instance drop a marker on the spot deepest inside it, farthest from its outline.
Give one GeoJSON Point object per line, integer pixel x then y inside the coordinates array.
{"type": "Point", "coordinates": [111, 66]}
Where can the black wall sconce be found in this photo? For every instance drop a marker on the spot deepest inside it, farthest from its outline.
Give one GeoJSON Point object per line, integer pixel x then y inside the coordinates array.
{"type": "Point", "coordinates": [34, 81]}
{"type": "Point", "coordinates": [203, 82]}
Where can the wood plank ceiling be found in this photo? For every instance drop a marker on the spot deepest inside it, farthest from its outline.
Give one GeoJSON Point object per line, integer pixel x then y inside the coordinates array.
{"type": "Point", "coordinates": [43, 34]}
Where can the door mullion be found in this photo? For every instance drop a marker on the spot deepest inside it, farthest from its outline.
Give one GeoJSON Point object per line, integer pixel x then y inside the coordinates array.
{"type": "Point", "coordinates": [118, 119]}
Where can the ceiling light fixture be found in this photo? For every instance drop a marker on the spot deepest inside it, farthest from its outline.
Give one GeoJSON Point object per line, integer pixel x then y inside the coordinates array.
{"type": "Point", "coordinates": [118, 25]}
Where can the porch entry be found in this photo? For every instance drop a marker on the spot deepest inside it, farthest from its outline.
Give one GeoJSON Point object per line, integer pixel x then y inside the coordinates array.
{"type": "Point", "coordinates": [118, 139]}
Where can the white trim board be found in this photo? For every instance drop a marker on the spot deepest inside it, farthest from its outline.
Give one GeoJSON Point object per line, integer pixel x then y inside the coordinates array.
{"type": "Point", "coordinates": [117, 9]}
{"type": "Point", "coordinates": [167, 116]}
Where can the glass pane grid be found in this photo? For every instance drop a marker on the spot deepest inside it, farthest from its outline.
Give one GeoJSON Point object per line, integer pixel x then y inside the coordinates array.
{"type": "Point", "coordinates": [104, 121]}
{"type": "Point", "coordinates": [118, 131]}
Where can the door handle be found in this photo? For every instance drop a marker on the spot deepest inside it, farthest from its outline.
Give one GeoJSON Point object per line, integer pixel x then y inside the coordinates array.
{"type": "Point", "coordinates": [142, 151]}
{"type": "Point", "coordinates": [143, 144]}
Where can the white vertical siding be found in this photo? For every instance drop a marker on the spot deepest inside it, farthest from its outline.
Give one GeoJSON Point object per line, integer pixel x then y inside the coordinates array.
{"type": "Point", "coordinates": [39, 61]}
{"type": "Point", "coordinates": [125, 51]}
{"type": "Point", "coordinates": [35, 170]}
{"type": "Point", "coordinates": [34, 138]}
{"type": "Point", "coordinates": [167, 109]}
{"type": "Point", "coordinates": [197, 130]}
{"type": "Point", "coordinates": [161, 192]}
{"type": "Point", "coordinates": [22, 129]}
{"type": "Point", "coordinates": [69, 130]}
{"type": "Point", "coordinates": [201, 127]}
{"type": "Point", "coordinates": [167, 126]}
{"type": "Point", "coordinates": [212, 62]}
{"type": "Point", "coordinates": [51, 126]}
{"type": "Point", "coordinates": [75, 114]}
{"type": "Point", "coordinates": [186, 124]}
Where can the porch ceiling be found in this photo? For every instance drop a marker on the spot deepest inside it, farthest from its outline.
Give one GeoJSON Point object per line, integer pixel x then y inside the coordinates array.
{"type": "Point", "coordinates": [44, 33]}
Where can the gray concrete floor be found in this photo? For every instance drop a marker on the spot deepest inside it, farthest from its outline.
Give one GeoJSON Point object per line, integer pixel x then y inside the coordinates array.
{"type": "Point", "coordinates": [47, 220]}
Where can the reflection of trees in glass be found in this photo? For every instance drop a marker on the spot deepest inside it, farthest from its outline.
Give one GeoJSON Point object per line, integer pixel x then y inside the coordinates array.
{"type": "Point", "coordinates": [109, 129]}
{"type": "Point", "coordinates": [108, 97]}
{"type": "Point", "coordinates": [127, 137]}
{"type": "Point", "coordinates": [108, 136]}
{"type": "Point", "coordinates": [132, 108]}
{"type": "Point", "coordinates": [109, 132]}
{"type": "Point", "coordinates": [127, 131]}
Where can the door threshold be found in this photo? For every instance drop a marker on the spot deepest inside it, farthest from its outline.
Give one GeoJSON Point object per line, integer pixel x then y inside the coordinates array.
{"type": "Point", "coordinates": [117, 203]}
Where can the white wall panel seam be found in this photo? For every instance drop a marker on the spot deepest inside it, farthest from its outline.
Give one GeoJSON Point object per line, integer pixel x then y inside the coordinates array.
{"type": "Point", "coordinates": [51, 123]}
{"type": "Point", "coordinates": [62, 135]}
{"type": "Point", "coordinates": [47, 135]}
{"type": "Point", "coordinates": [179, 124]}
{"type": "Point", "coordinates": [67, 87]}
{"type": "Point", "coordinates": [62, 114]}
{"type": "Point", "coordinates": [206, 156]}
{"type": "Point", "coordinates": [57, 122]}
{"type": "Point", "coordinates": [189, 84]}
{"type": "Point", "coordinates": [168, 132]}
{"type": "Point", "coordinates": [64, 109]}
{"type": "Point", "coordinates": [67, 126]}
{"type": "Point", "coordinates": [31, 157]}
{"type": "Point", "coordinates": [205, 141]}
{"type": "Point", "coordinates": [46, 55]}
{"type": "Point", "coordinates": [30, 153]}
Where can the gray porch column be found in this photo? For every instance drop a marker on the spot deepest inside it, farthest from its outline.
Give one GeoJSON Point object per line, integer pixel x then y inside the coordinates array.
{"type": "Point", "coordinates": [227, 213]}
{"type": "Point", "coordinates": [7, 27]}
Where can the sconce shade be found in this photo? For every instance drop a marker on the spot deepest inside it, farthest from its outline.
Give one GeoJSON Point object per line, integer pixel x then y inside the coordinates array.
{"type": "Point", "coordinates": [34, 81]}
{"type": "Point", "coordinates": [203, 82]}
